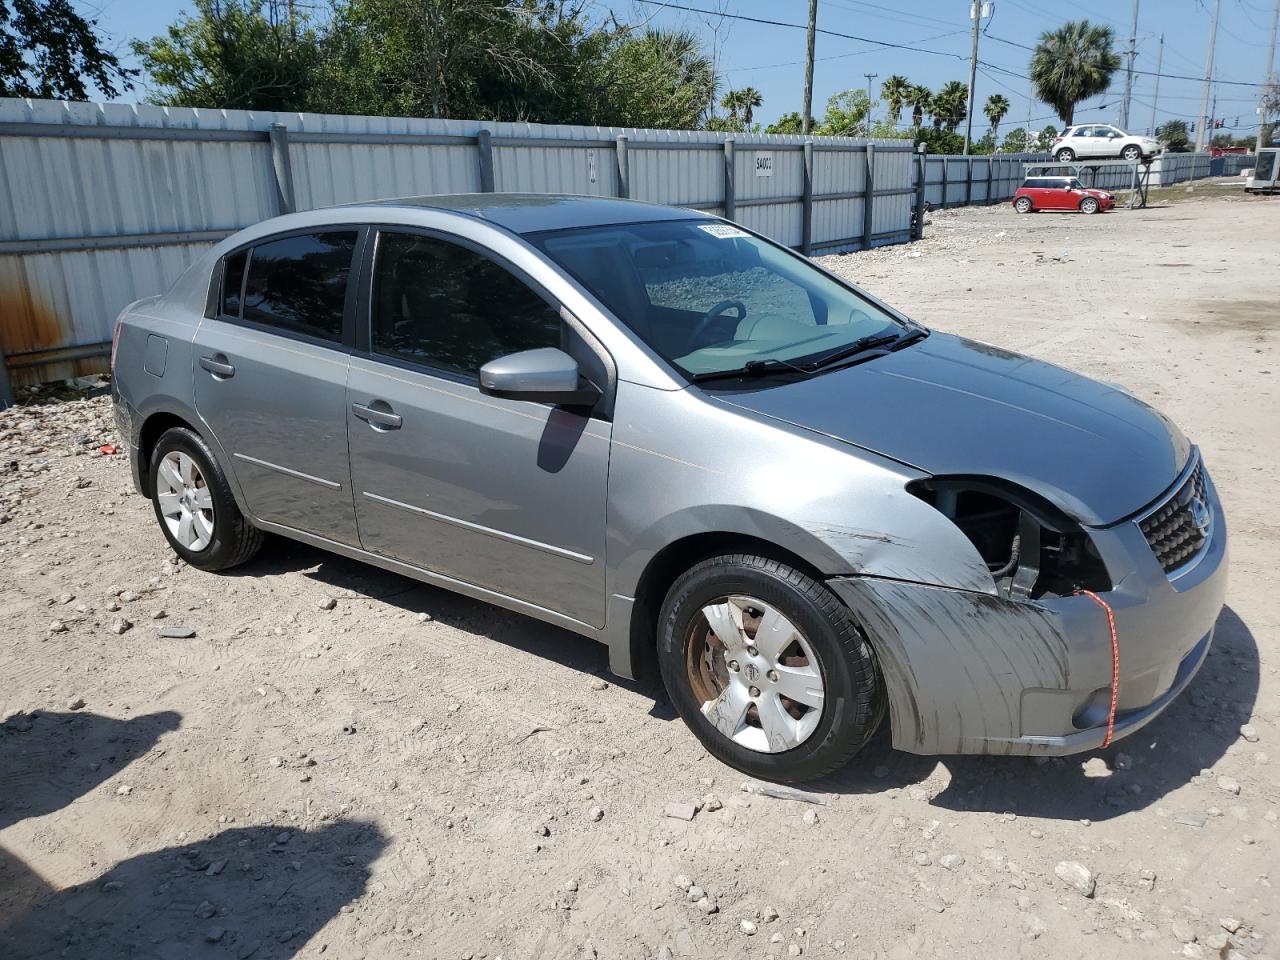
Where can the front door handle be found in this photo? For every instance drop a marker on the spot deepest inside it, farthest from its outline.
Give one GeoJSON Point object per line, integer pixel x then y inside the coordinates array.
{"type": "Point", "coordinates": [218, 366]}
{"type": "Point", "coordinates": [379, 419]}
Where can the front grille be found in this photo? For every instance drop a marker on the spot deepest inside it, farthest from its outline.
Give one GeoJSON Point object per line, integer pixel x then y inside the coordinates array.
{"type": "Point", "coordinates": [1178, 529]}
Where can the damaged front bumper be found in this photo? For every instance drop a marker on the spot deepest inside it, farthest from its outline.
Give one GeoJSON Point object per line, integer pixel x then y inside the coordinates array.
{"type": "Point", "coordinates": [970, 672]}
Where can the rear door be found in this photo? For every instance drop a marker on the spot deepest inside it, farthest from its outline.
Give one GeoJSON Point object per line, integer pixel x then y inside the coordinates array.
{"type": "Point", "coordinates": [271, 372]}
{"type": "Point", "coordinates": [506, 495]}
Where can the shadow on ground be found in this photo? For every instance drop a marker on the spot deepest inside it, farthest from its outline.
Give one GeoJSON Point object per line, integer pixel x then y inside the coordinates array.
{"type": "Point", "coordinates": [50, 759]}
{"type": "Point", "coordinates": [345, 576]}
{"type": "Point", "coordinates": [1191, 735]}
{"type": "Point", "coordinates": [260, 892]}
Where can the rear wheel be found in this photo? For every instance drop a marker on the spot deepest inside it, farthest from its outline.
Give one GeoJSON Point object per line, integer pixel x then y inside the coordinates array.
{"type": "Point", "coordinates": [194, 505]}
{"type": "Point", "coordinates": [1131, 152]}
{"type": "Point", "coordinates": [769, 670]}
{"type": "Point", "coordinates": [1065, 155]}
{"type": "Point", "coordinates": [1022, 204]}
{"type": "Point", "coordinates": [1089, 205]}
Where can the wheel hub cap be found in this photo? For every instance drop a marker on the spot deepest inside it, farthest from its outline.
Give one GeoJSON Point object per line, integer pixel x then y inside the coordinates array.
{"type": "Point", "coordinates": [186, 503]}
{"type": "Point", "coordinates": [754, 674]}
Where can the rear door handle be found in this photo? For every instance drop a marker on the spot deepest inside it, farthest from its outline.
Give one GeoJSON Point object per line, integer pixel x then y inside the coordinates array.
{"type": "Point", "coordinates": [376, 418]}
{"type": "Point", "coordinates": [218, 366]}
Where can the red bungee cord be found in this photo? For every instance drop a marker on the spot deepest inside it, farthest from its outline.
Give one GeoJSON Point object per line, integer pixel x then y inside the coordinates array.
{"type": "Point", "coordinates": [1115, 660]}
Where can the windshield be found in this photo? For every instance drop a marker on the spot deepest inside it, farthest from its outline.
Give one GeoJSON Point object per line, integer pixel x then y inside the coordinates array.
{"type": "Point", "coordinates": [709, 297]}
{"type": "Point", "coordinates": [1075, 185]}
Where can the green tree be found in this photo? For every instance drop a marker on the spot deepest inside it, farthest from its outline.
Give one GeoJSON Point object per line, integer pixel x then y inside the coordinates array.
{"type": "Point", "coordinates": [1072, 63]}
{"type": "Point", "coordinates": [846, 115]}
{"type": "Point", "coordinates": [1015, 141]}
{"type": "Point", "coordinates": [896, 93]}
{"type": "Point", "coordinates": [996, 107]}
{"type": "Point", "coordinates": [233, 54]}
{"type": "Point", "coordinates": [1175, 136]}
{"type": "Point", "coordinates": [950, 105]}
{"type": "Point", "coordinates": [919, 98]}
{"type": "Point", "coordinates": [742, 104]}
{"type": "Point", "coordinates": [659, 79]}
{"type": "Point", "coordinates": [1046, 137]}
{"type": "Point", "coordinates": [49, 51]}
{"type": "Point", "coordinates": [787, 123]}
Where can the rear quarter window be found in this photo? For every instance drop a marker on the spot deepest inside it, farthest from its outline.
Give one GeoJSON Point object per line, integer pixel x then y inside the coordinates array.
{"type": "Point", "coordinates": [233, 283]}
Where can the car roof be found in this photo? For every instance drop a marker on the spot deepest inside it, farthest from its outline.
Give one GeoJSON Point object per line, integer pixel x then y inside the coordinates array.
{"type": "Point", "coordinates": [533, 212]}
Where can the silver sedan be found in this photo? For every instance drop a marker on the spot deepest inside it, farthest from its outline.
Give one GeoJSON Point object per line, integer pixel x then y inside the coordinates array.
{"type": "Point", "coordinates": [678, 438]}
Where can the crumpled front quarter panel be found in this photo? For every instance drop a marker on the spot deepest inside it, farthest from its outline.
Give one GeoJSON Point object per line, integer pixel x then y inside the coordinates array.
{"type": "Point", "coordinates": [683, 465]}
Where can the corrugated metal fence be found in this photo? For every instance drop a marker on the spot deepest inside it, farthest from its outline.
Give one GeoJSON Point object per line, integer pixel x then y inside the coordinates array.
{"type": "Point", "coordinates": [103, 203]}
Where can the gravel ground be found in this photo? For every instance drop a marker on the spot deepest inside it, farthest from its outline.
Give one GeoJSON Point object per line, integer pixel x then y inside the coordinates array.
{"type": "Point", "coordinates": [310, 756]}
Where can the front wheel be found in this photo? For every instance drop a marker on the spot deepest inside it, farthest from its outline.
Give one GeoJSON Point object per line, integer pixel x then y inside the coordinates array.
{"type": "Point", "coordinates": [195, 506]}
{"type": "Point", "coordinates": [1089, 205]}
{"type": "Point", "coordinates": [1022, 205]}
{"type": "Point", "coordinates": [1131, 152]}
{"type": "Point", "coordinates": [768, 669]}
{"type": "Point", "coordinates": [1066, 155]}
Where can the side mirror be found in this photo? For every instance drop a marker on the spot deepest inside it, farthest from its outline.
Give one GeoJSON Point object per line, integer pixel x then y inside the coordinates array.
{"type": "Point", "coordinates": [545, 375]}
{"type": "Point", "coordinates": [1112, 136]}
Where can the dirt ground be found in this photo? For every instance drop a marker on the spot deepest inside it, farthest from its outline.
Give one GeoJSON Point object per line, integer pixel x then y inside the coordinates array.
{"type": "Point", "coordinates": [364, 781]}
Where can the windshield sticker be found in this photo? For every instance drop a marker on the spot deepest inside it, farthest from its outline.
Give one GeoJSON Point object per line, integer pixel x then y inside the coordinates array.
{"type": "Point", "coordinates": [725, 231]}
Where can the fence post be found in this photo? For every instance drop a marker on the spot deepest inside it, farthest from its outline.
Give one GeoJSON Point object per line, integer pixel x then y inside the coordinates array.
{"type": "Point", "coordinates": [6, 390]}
{"type": "Point", "coordinates": [869, 199]}
{"type": "Point", "coordinates": [946, 179]}
{"type": "Point", "coordinates": [968, 183]}
{"type": "Point", "coordinates": [280, 166]}
{"type": "Point", "coordinates": [728, 179]}
{"type": "Point", "coordinates": [922, 166]}
{"type": "Point", "coordinates": [991, 170]}
{"type": "Point", "coordinates": [624, 171]}
{"type": "Point", "coordinates": [484, 146]}
{"type": "Point", "coordinates": [806, 200]}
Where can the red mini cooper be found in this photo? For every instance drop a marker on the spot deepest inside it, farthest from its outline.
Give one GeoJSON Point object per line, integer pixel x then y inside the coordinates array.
{"type": "Point", "coordinates": [1060, 193]}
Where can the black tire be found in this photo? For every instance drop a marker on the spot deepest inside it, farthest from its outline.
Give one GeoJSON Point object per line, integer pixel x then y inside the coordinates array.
{"type": "Point", "coordinates": [1090, 205]}
{"type": "Point", "coordinates": [235, 540]}
{"type": "Point", "coordinates": [853, 698]}
{"type": "Point", "coordinates": [1023, 205]}
{"type": "Point", "coordinates": [1131, 152]}
{"type": "Point", "coordinates": [1065, 155]}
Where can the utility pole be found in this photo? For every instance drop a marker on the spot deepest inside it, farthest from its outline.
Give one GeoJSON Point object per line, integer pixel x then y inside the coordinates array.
{"type": "Point", "coordinates": [806, 119]}
{"type": "Point", "coordinates": [975, 14]}
{"type": "Point", "coordinates": [870, 77]}
{"type": "Point", "coordinates": [1213, 118]}
{"type": "Point", "coordinates": [1208, 78]}
{"type": "Point", "coordinates": [1271, 62]}
{"type": "Point", "coordinates": [1128, 73]}
{"type": "Point", "coordinates": [1155, 97]}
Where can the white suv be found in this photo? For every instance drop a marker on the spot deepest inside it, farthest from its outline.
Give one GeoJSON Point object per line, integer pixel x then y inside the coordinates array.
{"type": "Point", "coordinates": [1095, 140]}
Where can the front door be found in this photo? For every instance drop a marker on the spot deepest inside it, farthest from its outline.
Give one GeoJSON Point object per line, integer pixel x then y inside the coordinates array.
{"type": "Point", "coordinates": [271, 378]}
{"type": "Point", "coordinates": [506, 495]}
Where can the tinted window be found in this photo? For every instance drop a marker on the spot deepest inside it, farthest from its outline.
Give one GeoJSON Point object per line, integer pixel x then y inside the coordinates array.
{"type": "Point", "coordinates": [299, 283]}
{"type": "Point", "coordinates": [441, 305]}
{"type": "Point", "coordinates": [232, 282]}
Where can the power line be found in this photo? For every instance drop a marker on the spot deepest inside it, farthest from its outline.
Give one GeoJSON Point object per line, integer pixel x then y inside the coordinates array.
{"type": "Point", "coordinates": [800, 26]}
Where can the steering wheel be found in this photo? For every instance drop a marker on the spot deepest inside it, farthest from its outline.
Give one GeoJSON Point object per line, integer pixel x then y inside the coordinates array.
{"type": "Point", "coordinates": [712, 315]}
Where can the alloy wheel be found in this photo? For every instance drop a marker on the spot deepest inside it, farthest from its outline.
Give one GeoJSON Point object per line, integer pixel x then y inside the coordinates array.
{"type": "Point", "coordinates": [186, 502]}
{"type": "Point", "coordinates": [754, 674]}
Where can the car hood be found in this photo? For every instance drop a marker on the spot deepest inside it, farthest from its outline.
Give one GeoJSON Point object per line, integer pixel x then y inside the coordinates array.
{"type": "Point", "coordinates": [950, 406]}
{"type": "Point", "coordinates": [1100, 194]}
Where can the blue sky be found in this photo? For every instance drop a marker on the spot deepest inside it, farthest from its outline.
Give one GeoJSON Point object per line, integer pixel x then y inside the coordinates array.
{"type": "Point", "coordinates": [771, 58]}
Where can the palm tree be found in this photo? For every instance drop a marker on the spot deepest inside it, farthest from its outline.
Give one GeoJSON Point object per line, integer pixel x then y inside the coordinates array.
{"type": "Point", "coordinates": [918, 99]}
{"type": "Point", "coordinates": [742, 103]}
{"type": "Point", "coordinates": [951, 105]}
{"type": "Point", "coordinates": [1071, 64]}
{"type": "Point", "coordinates": [997, 106]}
{"type": "Point", "coordinates": [896, 92]}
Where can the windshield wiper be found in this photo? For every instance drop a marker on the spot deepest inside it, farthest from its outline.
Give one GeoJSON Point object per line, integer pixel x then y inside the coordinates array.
{"type": "Point", "coordinates": [861, 345]}
{"type": "Point", "coordinates": [752, 368]}
{"type": "Point", "coordinates": [910, 337]}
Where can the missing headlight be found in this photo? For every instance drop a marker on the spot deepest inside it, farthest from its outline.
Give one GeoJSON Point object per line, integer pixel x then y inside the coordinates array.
{"type": "Point", "coordinates": [1031, 549]}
